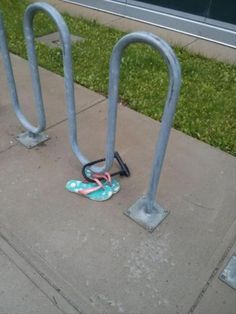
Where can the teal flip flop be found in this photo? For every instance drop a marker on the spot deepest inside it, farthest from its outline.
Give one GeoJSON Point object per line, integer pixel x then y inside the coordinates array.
{"type": "Point", "coordinates": [92, 190]}
{"type": "Point", "coordinates": [106, 180]}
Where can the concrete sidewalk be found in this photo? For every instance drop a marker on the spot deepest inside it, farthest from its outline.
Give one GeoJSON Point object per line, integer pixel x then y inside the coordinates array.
{"type": "Point", "coordinates": [78, 256]}
{"type": "Point", "coordinates": [22, 290]}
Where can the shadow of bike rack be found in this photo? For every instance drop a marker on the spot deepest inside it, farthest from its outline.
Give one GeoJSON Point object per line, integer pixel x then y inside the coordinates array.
{"type": "Point", "coordinates": [145, 211]}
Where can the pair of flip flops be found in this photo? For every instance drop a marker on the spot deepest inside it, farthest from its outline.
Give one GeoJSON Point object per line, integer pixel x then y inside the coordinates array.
{"type": "Point", "coordinates": [101, 189]}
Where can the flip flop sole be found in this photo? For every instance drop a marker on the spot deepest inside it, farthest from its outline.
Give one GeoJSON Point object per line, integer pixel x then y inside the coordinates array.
{"type": "Point", "coordinates": [115, 186]}
{"type": "Point", "coordinates": [100, 195]}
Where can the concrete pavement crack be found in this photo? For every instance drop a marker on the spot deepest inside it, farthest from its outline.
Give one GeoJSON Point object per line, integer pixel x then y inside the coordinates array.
{"type": "Point", "coordinates": [58, 123]}
{"type": "Point", "coordinates": [198, 204]}
{"type": "Point", "coordinates": [8, 148]}
{"type": "Point", "coordinates": [43, 276]}
{"type": "Point", "coordinates": [195, 39]}
{"type": "Point", "coordinates": [77, 113]}
{"type": "Point", "coordinates": [30, 279]}
{"type": "Point", "coordinates": [212, 276]}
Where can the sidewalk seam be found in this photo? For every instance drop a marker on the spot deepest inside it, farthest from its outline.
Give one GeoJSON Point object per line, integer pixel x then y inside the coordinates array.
{"type": "Point", "coordinates": [47, 276]}
{"type": "Point", "coordinates": [58, 123]}
{"type": "Point", "coordinates": [8, 148]}
{"type": "Point", "coordinates": [213, 275]}
{"type": "Point", "coordinates": [77, 113]}
{"type": "Point", "coordinates": [109, 24]}
{"type": "Point", "coordinates": [194, 40]}
{"type": "Point", "coordinates": [27, 276]}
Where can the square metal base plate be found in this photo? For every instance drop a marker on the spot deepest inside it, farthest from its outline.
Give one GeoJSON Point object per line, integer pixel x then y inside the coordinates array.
{"type": "Point", "coordinates": [30, 141]}
{"type": "Point", "coordinates": [228, 275]}
{"type": "Point", "coordinates": [138, 213]}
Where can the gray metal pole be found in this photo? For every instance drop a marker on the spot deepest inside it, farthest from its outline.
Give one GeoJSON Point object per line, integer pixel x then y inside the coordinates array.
{"type": "Point", "coordinates": [12, 86]}
{"type": "Point", "coordinates": [68, 69]}
{"type": "Point", "coordinates": [170, 105]}
{"type": "Point", "coordinates": [145, 211]}
{"type": "Point", "coordinates": [30, 13]}
{"type": "Point", "coordinates": [34, 135]}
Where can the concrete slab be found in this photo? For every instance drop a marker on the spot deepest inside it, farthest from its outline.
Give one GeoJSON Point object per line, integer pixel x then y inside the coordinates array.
{"type": "Point", "coordinates": [171, 37]}
{"type": "Point", "coordinates": [53, 40]}
{"type": "Point", "coordinates": [54, 99]}
{"type": "Point", "coordinates": [213, 50]}
{"type": "Point", "coordinates": [18, 294]}
{"type": "Point", "coordinates": [36, 270]}
{"type": "Point", "coordinates": [219, 298]}
{"type": "Point", "coordinates": [117, 266]}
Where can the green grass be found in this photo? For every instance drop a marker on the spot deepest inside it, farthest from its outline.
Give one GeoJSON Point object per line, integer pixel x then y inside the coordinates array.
{"type": "Point", "coordinates": [207, 105]}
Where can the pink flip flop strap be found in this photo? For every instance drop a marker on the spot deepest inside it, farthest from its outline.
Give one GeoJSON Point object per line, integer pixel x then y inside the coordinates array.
{"type": "Point", "coordinates": [105, 176]}
{"type": "Point", "coordinates": [90, 190]}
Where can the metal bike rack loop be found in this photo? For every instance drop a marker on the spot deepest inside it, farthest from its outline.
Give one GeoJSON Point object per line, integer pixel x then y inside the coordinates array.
{"type": "Point", "coordinates": [145, 211]}
{"type": "Point", "coordinates": [34, 135]}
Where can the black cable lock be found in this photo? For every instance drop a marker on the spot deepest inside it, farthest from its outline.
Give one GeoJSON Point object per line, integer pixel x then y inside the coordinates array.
{"type": "Point", "coordinates": [124, 170]}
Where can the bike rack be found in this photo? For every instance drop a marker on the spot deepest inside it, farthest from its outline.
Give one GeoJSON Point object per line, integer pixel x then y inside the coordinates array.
{"type": "Point", "coordinates": [146, 210]}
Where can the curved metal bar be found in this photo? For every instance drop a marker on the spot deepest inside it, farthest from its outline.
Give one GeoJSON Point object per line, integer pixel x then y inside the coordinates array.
{"type": "Point", "coordinates": [34, 132]}
{"type": "Point", "coordinates": [12, 87]}
{"type": "Point", "coordinates": [67, 65]}
{"type": "Point", "coordinates": [170, 105]}
{"type": "Point", "coordinates": [145, 210]}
